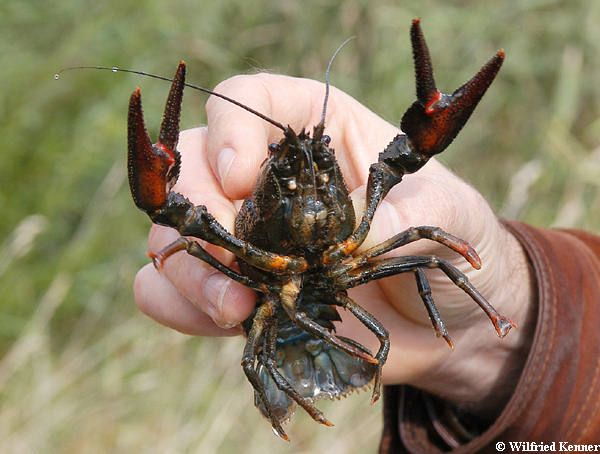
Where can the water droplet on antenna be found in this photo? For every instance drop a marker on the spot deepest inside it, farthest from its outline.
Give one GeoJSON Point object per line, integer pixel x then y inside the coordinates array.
{"type": "Point", "coordinates": [115, 69]}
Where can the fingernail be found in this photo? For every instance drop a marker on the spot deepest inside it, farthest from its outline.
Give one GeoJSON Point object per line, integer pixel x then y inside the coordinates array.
{"type": "Point", "coordinates": [224, 162]}
{"type": "Point", "coordinates": [214, 291]}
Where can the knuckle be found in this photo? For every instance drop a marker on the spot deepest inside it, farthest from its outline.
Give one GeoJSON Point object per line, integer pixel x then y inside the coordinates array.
{"type": "Point", "coordinates": [235, 87]}
{"type": "Point", "coordinates": [190, 136]}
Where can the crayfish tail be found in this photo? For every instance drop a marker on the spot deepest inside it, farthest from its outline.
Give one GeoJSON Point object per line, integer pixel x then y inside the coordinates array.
{"type": "Point", "coordinates": [315, 370]}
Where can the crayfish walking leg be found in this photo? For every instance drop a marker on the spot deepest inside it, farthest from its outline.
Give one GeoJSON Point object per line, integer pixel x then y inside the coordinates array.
{"type": "Point", "coordinates": [253, 343]}
{"type": "Point", "coordinates": [397, 265]}
{"type": "Point", "coordinates": [269, 362]}
{"type": "Point", "coordinates": [432, 310]}
{"type": "Point", "coordinates": [376, 328]}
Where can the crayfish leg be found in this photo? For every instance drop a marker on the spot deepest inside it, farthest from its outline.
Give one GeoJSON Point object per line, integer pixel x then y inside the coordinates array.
{"type": "Point", "coordinates": [432, 310]}
{"type": "Point", "coordinates": [270, 363]}
{"type": "Point", "coordinates": [397, 265]}
{"type": "Point", "coordinates": [376, 328]}
{"type": "Point", "coordinates": [255, 335]}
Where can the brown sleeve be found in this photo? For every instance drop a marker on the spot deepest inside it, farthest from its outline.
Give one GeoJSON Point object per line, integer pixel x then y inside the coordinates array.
{"type": "Point", "coordinates": [557, 396]}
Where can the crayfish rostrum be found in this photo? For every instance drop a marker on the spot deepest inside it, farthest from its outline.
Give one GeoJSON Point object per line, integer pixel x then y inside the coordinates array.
{"type": "Point", "coordinates": [296, 239]}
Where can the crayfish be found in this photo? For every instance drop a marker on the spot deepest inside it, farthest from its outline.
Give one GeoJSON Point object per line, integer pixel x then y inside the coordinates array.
{"type": "Point", "coordinates": [296, 239]}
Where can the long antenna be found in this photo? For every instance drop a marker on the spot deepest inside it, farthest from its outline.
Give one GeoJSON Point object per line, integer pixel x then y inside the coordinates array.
{"type": "Point", "coordinates": [337, 51]}
{"type": "Point", "coordinates": [115, 69]}
{"type": "Point", "coordinates": [320, 128]}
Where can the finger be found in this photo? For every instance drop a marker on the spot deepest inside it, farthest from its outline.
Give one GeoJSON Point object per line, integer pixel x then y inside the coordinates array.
{"type": "Point", "coordinates": [198, 183]}
{"type": "Point", "coordinates": [227, 302]}
{"type": "Point", "coordinates": [238, 140]}
{"type": "Point", "coordinates": [157, 298]}
{"type": "Point", "coordinates": [433, 196]}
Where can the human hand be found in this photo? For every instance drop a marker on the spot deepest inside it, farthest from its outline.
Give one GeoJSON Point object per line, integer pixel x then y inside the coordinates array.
{"type": "Point", "coordinates": [220, 164]}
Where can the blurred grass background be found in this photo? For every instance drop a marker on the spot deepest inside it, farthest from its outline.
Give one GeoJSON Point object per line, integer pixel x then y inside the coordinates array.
{"type": "Point", "coordinates": [80, 369]}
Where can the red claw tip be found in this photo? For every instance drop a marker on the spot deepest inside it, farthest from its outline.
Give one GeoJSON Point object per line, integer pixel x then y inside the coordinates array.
{"type": "Point", "coordinates": [416, 21]}
{"type": "Point", "coordinates": [474, 258]}
{"type": "Point", "coordinates": [501, 54]}
{"type": "Point", "coordinates": [169, 155]}
{"type": "Point", "coordinates": [430, 105]}
{"type": "Point", "coordinates": [156, 260]}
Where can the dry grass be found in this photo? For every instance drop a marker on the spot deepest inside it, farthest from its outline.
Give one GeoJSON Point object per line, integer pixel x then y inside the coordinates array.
{"type": "Point", "coordinates": [141, 388]}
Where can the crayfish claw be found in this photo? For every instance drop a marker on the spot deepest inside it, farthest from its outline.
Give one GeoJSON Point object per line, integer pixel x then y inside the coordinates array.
{"type": "Point", "coordinates": [426, 89]}
{"type": "Point", "coordinates": [153, 169]}
{"type": "Point", "coordinates": [435, 119]}
{"type": "Point", "coordinates": [169, 128]}
{"type": "Point", "coordinates": [140, 153]}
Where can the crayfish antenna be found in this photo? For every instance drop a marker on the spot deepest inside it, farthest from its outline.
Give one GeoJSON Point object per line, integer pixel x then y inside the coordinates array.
{"type": "Point", "coordinates": [434, 120]}
{"type": "Point", "coordinates": [320, 128]}
{"type": "Point", "coordinates": [116, 69]}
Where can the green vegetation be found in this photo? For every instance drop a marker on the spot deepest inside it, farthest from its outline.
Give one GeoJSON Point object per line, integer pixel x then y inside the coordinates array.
{"type": "Point", "coordinates": [81, 370]}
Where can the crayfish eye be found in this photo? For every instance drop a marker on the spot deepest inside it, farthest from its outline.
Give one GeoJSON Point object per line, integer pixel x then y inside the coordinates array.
{"type": "Point", "coordinates": [273, 147]}
{"type": "Point", "coordinates": [326, 139]}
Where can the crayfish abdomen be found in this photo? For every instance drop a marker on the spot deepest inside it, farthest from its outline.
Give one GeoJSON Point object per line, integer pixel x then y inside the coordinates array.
{"type": "Point", "coordinates": [296, 242]}
{"type": "Point", "coordinates": [312, 366]}
{"type": "Point", "coordinates": [316, 370]}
